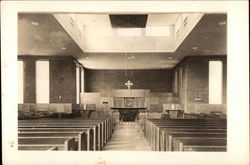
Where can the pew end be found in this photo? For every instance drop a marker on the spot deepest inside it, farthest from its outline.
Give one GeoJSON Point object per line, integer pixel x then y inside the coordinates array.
{"type": "Point", "coordinates": [82, 143]}
{"type": "Point", "coordinates": [70, 144]}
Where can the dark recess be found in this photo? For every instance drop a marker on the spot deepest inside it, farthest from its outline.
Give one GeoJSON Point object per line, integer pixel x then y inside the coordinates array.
{"type": "Point", "coordinates": [128, 21]}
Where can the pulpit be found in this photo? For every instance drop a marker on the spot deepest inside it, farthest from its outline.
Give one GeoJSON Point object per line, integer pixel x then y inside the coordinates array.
{"type": "Point", "coordinates": [174, 110]}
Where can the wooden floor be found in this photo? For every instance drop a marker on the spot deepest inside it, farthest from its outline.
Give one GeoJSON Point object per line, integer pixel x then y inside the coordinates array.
{"type": "Point", "coordinates": [128, 136]}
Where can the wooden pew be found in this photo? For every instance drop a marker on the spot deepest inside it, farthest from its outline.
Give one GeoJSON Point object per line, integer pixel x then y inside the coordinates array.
{"type": "Point", "coordinates": [91, 132]}
{"type": "Point", "coordinates": [158, 129]}
{"type": "Point", "coordinates": [175, 135]}
{"type": "Point", "coordinates": [165, 139]}
{"type": "Point", "coordinates": [148, 123]}
{"type": "Point", "coordinates": [188, 120]}
{"type": "Point", "coordinates": [107, 128]}
{"type": "Point", "coordinates": [63, 143]}
{"type": "Point", "coordinates": [106, 122]}
{"type": "Point", "coordinates": [185, 122]}
{"type": "Point", "coordinates": [80, 137]}
{"type": "Point", "coordinates": [179, 142]}
{"type": "Point", "coordinates": [99, 134]}
{"type": "Point", "coordinates": [156, 139]}
{"type": "Point", "coordinates": [182, 123]}
{"type": "Point", "coordinates": [85, 137]}
{"type": "Point", "coordinates": [155, 142]}
{"type": "Point", "coordinates": [46, 120]}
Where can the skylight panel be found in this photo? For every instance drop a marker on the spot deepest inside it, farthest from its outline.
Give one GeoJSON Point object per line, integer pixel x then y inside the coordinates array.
{"type": "Point", "coordinates": [128, 32]}
{"type": "Point", "coordinates": [158, 31]}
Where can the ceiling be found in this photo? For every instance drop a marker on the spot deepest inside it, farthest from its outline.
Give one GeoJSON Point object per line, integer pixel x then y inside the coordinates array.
{"type": "Point", "coordinates": [121, 33]}
{"type": "Point", "coordinates": [42, 34]}
{"type": "Point", "coordinates": [103, 20]}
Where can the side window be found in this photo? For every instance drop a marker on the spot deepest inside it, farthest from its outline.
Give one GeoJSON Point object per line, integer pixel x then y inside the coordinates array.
{"type": "Point", "coordinates": [215, 82]}
{"type": "Point", "coordinates": [20, 82]}
{"type": "Point", "coordinates": [42, 81]}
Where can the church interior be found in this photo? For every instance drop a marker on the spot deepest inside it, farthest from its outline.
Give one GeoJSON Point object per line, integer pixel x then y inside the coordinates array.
{"type": "Point", "coordinates": [122, 82]}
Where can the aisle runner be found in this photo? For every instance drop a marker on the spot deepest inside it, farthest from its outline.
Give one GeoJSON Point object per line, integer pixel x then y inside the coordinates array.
{"type": "Point", "coordinates": [128, 136]}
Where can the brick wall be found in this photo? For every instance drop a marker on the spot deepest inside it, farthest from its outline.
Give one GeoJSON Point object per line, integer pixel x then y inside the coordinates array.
{"type": "Point", "coordinates": [62, 78]}
{"type": "Point", "coordinates": [197, 80]}
{"type": "Point", "coordinates": [155, 80]}
{"type": "Point", "coordinates": [29, 81]}
{"type": "Point", "coordinates": [62, 81]}
{"type": "Point", "coordinates": [194, 84]}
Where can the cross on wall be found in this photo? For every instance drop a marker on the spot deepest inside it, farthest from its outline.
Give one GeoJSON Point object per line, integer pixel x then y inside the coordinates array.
{"type": "Point", "coordinates": [128, 84]}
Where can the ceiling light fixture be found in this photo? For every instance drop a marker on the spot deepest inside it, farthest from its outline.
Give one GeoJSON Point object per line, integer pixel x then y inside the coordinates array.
{"type": "Point", "coordinates": [195, 51]}
{"type": "Point", "coordinates": [35, 23]}
{"type": "Point", "coordinates": [170, 57]}
{"type": "Point", "coordinates": [222, 23]}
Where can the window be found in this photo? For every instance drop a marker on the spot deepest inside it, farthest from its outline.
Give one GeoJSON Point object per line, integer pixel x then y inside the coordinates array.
{"type": "Point", "coordinates": [82, 80]}
{"type": "Point", "coordinates": [20, 82]}
{"type": "Point", "coordinates": [215, 82]}
{"type": "Point", "coordinates": [42, 81]}
{"type": "Point", "coordinates": [77, 85]}
{"type": "Point", "coordinates": [176, 82]}
{"type": "Point", "coordinates": [128, 32]}
{"type": "Point", "coordinates": [158, 31]}
{"type": "Point", "coordinates": [180, 85]}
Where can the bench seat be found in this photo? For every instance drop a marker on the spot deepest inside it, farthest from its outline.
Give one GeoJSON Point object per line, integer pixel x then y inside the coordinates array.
{"type": "Point", "coordinates": [38, 147]}
{"type": "Point", "coordinates": [97, 131]}
{"type": "Point", "coordinates": [62, 143]}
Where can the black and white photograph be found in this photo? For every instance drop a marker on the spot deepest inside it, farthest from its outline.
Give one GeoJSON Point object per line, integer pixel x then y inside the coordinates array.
{"type": "Point", "coordinates": [136, 79]}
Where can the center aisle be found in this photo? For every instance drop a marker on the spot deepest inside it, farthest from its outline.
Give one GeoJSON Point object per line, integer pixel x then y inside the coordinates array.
{"type": "Point", "coordinates": [128, 136]}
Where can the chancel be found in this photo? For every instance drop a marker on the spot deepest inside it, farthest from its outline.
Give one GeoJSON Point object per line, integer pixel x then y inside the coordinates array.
{"type": "Point", "coordinates": [74, 95]}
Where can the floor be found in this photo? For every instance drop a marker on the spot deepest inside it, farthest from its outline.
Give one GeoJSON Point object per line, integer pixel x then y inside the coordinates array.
{"type": "Point", "coordinates": [128, 136]}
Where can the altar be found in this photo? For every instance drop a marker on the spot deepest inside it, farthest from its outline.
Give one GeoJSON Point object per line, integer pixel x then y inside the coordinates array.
{"type": "Point", "coordinates": [129, 103]}
{"type": "Point", "coordinates": [128, 113]}
{"type": "Point", "coordinates": [128, 107]}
